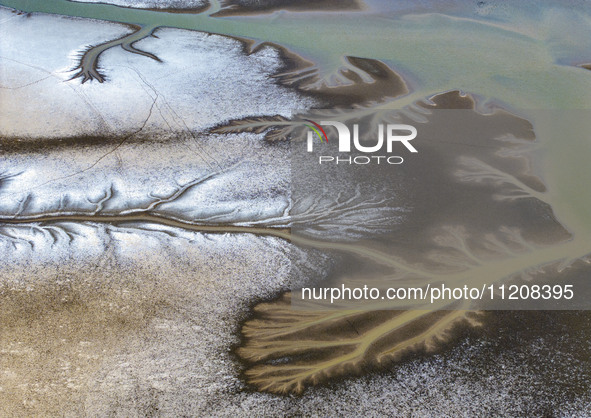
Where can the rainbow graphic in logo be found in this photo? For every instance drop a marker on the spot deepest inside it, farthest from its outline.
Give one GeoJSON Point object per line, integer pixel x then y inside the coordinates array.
{"type": "Point", "coordinates": [316, 129]}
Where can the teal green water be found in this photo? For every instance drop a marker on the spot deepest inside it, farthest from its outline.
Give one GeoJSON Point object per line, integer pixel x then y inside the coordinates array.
{"type": "Point", "coordinates": [435, 52]}
{"type": "Point", "coordinates": [526, 61]}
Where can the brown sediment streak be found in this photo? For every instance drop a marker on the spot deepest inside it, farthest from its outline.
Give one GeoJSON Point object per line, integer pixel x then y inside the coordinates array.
{"type": "Point", "coordinates": [18, 144]}
{"type": "Point", "coordinates": [500, 267]}
{"type": "Point", "coordinates": [283, 233]}
{"type": "Point", "coordinates": [320, 345]}
{"type": "Point", "coordinates": [188, 10]}
{"type": "Point", "coordinates": [302, 74]}
{"type": "Point", "coordinates": [364, 80]}
{"type": "Point", "coordinates": [88, 66]}
{"type": "Point", "coordinates": [166, 9]}
{"type": "Point", "coordinates": [287, 350]}
{"type": "Point", "coordinates": [235, 8]}
{"type": "Point", "coordinates": [150, 218]}
{"type": "Point", "coordinates": [383, 82]}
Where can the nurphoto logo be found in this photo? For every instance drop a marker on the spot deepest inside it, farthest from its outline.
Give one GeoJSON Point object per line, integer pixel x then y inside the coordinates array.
{"type": "Point", "coordinates": [393, 136]}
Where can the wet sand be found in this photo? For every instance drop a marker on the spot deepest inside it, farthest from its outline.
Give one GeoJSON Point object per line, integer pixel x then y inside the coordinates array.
{"type": "Point", "coordinates": [112, 331]}
{"type": "Point", "coordinates": [448, 237]}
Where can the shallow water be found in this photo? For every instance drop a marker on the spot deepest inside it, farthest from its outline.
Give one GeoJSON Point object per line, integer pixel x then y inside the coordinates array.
{"type": "Point", "coordinates": [523, 61]}
{"type": "Point", "coordinates": [528, 63]}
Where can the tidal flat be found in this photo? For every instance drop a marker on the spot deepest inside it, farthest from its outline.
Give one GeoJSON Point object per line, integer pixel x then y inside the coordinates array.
{"type": "Point", "coordinates": [156, 217]}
